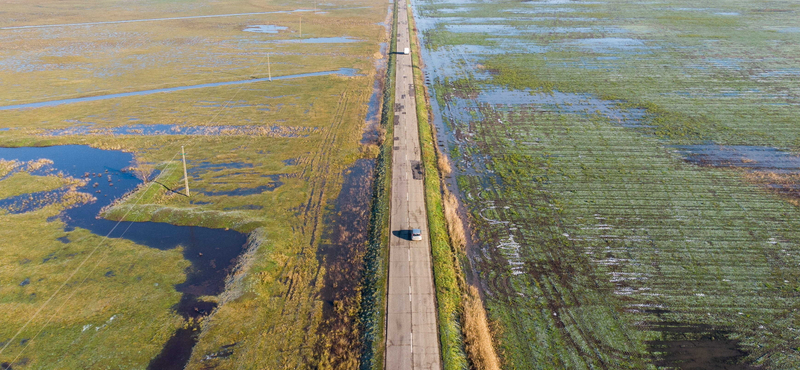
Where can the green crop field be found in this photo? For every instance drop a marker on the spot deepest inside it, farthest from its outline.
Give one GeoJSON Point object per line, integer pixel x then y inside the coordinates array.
{"type": "Point", "coordinates": [630, 173]}
{"type": "Point", "coordinates": [274, 160]}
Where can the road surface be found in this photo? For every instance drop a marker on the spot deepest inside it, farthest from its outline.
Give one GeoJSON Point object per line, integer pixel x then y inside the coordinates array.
{"type": "Point", "coordinates": [412, 338]}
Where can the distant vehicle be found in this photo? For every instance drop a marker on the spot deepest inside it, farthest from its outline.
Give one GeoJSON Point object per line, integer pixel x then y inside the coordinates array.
{"type": "Point", "coordinates": [407, 51]}
{"type": "Point", "coordinates": [416, 234]}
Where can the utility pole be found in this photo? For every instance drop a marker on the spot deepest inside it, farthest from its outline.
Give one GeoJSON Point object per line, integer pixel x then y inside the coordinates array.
{"type": "Point", "coordinates": [301, 27]}
{"type": "Point", "coordinates": [269, 70]}
{"type": "Point", "coordinates": [185, 176]}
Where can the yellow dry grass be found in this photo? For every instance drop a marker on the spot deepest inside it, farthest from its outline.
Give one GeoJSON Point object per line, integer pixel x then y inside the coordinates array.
{"type": "Point", "coordinates": [444, 165]}
{"type": "Point", "coordinates": [783, 184]}
{"type": "Point", "coordinates": [477, 335]}
{"type": "Point", "coordinates": [7, 166]}
{"type": "Point", "coordinates": [454, 224]}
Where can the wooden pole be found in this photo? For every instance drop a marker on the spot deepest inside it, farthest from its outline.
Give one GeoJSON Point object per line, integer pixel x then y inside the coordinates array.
{"type": "Point", "coordinates": [269, 70]}
{"type": "Point", "coordinates": [185, 176]}
{"type": "Point", "coordinates": [301, 27]}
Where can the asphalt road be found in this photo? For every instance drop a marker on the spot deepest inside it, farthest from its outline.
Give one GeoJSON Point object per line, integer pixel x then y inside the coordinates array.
{"type": "Point", "coordinates": [412, 337]}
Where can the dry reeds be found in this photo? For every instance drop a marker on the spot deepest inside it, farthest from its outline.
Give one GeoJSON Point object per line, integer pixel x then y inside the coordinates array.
{"type": "Point", "coordinates": [37, 164]}
{"type": "Point", "coordinates": [454, 225]}
{"type": "Point", "coordinates": [784, 184]}
{"type": "Point", "coordinates": [477, 335]}
{"type": "Point", "coordinates": [7, 166]}
{"type": "Point", "coordinates": [444, 165]}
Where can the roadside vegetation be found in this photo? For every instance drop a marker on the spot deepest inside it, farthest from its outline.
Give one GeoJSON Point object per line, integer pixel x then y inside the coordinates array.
{"type": "Point", "coordinates": [372, 314]}
{"type": "Point", "coordinates": [463, 329]}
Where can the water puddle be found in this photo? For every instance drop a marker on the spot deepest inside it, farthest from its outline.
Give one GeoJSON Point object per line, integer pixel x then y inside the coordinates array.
{"type": "Point", "coordinates": [733, 64]}
{"type": "Point", "coordinates": [371, 133]}
{"type": "Point", "coordinates": [243, 191]}
{"type": "Point", "coordinates": [777, 73]}
{"type": "Point", "coordinates": [456, 61]}
{"type": "Point", "coordinates": [740, 156]}
{"type": "Point", "coordinates": [542, 11]}
{"type": "Point", "coordinates": [152, 19]}
{"type": "Point", "coordinates": [453, 10]}
{"type": "Point", "coordinates": [726, 94]}
{"type": "Point", "coordinates": [165, 129]}
{"type": "Point", "coordinates": [342, 72]}
{"type": "Point", "coordinates": [562, 2]}
{"type": "Point", "coordinates": [493, 29]}
{"type": "Point", "coordinates": [506, 30]}
{"type": "Point", "coordinates": [609, 45]}
{"type": "Point", "coordinates": [265, 28]}
{"type": "Point", "coordinates": [694, 346]}
{"type": "Point", "coordinates": [454, 2]}
{"type": "Point", "coordinates": [318, 40]}
{"type": "Point", "coordinates": [212, 252]}
{"type": "Point", "coordinates": [558, 102]}
{"type": "Point", "coordinates": [704, 10]}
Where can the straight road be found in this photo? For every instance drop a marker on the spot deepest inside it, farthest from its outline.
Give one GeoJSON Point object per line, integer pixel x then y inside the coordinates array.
{"type": "Point", "coordinates": [412, 337]}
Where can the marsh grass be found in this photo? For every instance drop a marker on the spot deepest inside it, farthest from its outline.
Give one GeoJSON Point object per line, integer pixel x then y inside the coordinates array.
{"type": "Point", "coordinates": [138, 295]}
{"type": "Point", "coordinates": [273, 293]}
{"type": "Point", "coordinates": [24, 183]}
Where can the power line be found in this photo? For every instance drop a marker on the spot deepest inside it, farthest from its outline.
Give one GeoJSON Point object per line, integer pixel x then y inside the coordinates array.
{"type": "Point", "coordinates": [102, 258]}
{"type": "Point", "coordinates": [71, 276]}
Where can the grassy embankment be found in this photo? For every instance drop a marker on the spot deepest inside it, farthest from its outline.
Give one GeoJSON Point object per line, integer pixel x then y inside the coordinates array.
{"type": "Point", "coordinates": [374, 284]}
{"type": "Point", "coordinates": [463, 326]}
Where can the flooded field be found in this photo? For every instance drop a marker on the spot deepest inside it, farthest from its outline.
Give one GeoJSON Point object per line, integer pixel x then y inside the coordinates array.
{"type": "Point", "coordinates": [97, 106]}
{"type": "Point", "coordinates": [631, 174]}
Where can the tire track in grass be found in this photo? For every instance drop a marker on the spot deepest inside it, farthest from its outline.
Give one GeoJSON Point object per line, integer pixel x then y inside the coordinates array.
{"type": "Point", "coordinates": [556, 292]}
{"type": "Point", "coordinates": [320, 170]}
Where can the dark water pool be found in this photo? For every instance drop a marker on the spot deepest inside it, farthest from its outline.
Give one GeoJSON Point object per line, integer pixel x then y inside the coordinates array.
{"type": "Point", "coordinates": [318, 40]}
{"type": "Point", "coordinates": [212, 252]}
{"type": "Point", "coordinates": [265, 28]}
{"type": "Point", "coordinates": [742, 156]}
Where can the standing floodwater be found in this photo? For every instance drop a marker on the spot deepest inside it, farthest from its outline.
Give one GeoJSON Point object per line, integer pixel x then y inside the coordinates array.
{"type": "Point", "coordinates": [212, 252]}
